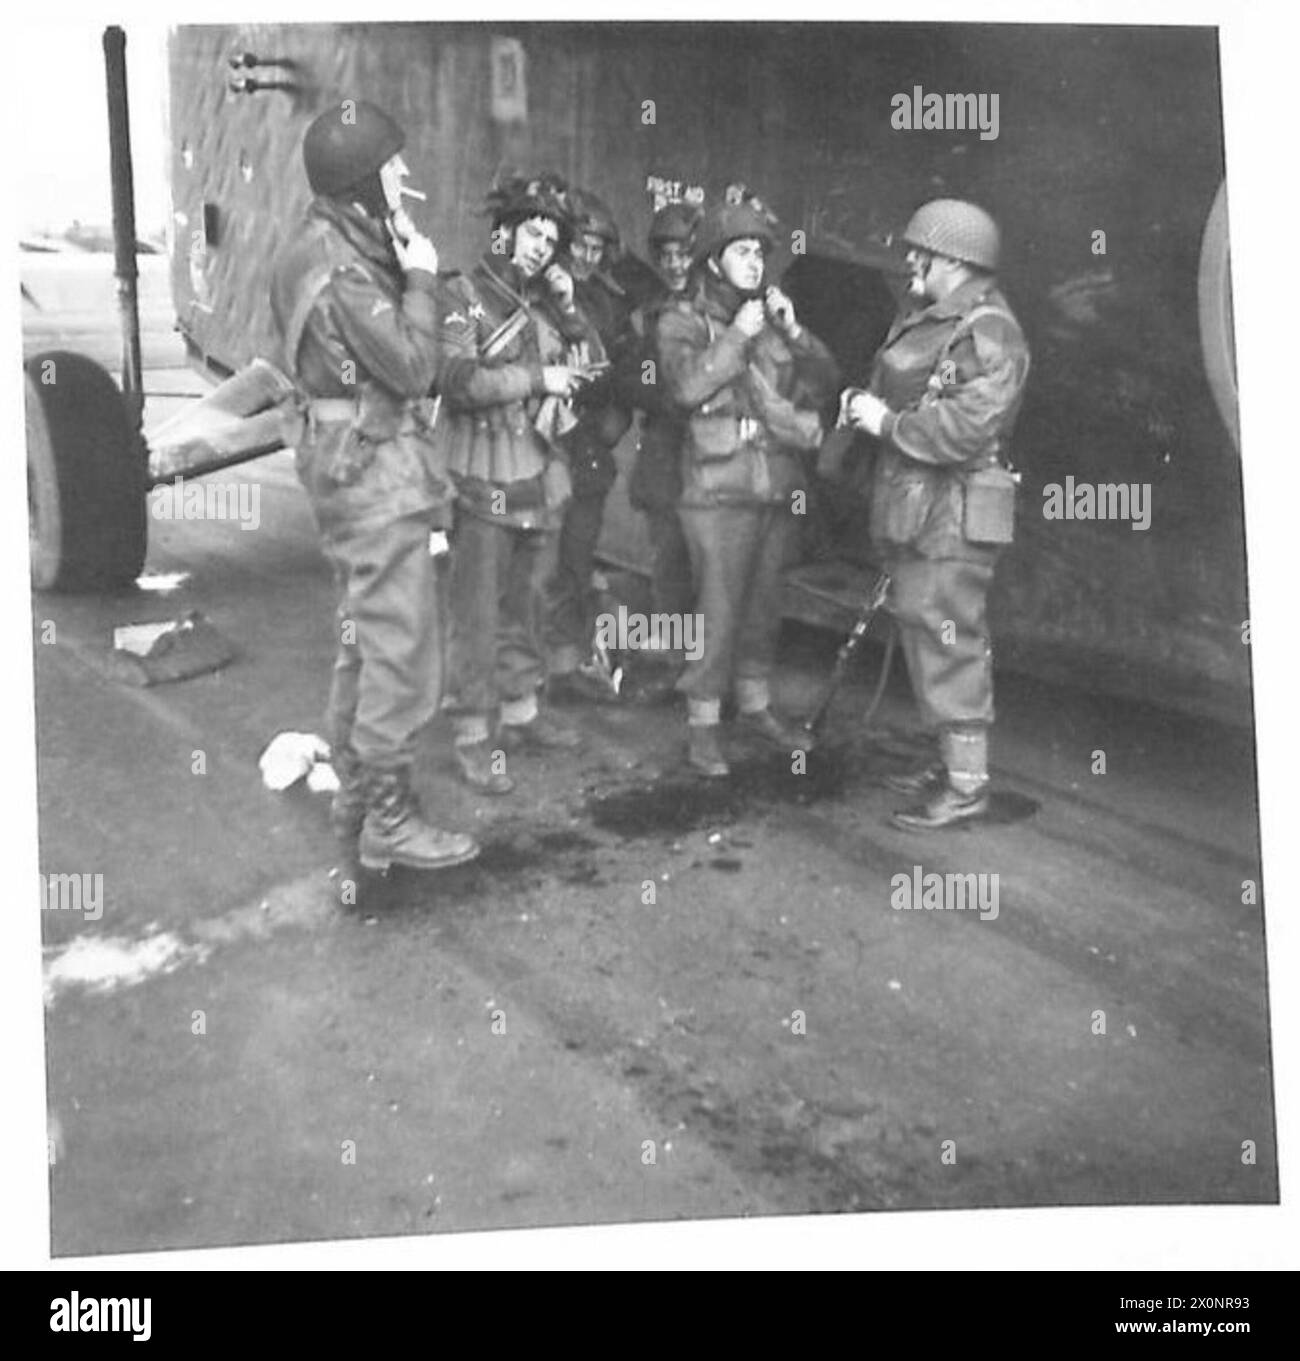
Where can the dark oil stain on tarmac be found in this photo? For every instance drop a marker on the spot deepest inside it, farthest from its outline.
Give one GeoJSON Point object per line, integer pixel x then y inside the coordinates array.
{"type": "Point", "coordinates": [1006, 806]}
{"type": "Point", "coordinates": [518, 858]}
{"type": "Point", "coordinates": [565, 841]}
{"type": "Point", "coordinates": [680, 803]}
{"type": "Point", "coordinates": [524, 857]}
{"type": "Point", "coordinates": [502, 858]}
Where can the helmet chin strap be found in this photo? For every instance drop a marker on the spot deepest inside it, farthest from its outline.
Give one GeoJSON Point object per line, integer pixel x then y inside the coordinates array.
{"type": "Point", "coordinates": [369, 197]}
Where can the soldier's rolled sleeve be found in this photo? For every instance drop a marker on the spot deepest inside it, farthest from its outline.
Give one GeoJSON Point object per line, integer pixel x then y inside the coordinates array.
{"type": "Point", "coordinates": [964, 421]}
{"type": "Point", "coordinates": [396, 345]}
{"type": "Point", "coordinates": [696, 370]}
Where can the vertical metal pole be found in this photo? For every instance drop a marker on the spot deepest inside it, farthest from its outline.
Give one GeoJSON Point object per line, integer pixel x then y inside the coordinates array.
{"type": "Point", "coordinates": [124, 238]}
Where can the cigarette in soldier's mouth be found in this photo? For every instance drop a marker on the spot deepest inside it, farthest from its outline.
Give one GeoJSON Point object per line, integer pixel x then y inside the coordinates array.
{"type": "Point", "coordinates": [413, 193]}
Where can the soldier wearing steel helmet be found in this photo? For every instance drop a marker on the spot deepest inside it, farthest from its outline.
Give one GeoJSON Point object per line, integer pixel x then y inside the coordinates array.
{"type": "Point", "coordinates": [353, 300]}
{"type": "Point", "coordinates": [945, 389]}
{"type": "Point", "coordinates": [513, 344]}
{"type": "Point", "coordinates": [655, 483]}
{"type": "Point", "coordinates": [655, 480]}
{"type": "Point", "coordinates": [749, 379]}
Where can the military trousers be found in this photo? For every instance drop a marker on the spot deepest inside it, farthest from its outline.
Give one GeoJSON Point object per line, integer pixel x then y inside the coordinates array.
{"type": "Point", "coordinates": [941, 608]}
{"type": "Point", "coordinates": [388, 667]}
{"type": "Point", "coordinates": [498, 578]}
{"type": "Point", "coordinates": [374, 527]}
{"type": "Point", "coordinates": [736, 554]}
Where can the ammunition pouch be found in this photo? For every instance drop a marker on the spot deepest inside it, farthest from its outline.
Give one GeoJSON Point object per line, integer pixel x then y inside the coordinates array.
{"type": "Point", "coordinates": [341, 449]}
{"type": "Point", "coordinates": [904, 494]}
{"type": "Point", "coordinates": [347, 432]}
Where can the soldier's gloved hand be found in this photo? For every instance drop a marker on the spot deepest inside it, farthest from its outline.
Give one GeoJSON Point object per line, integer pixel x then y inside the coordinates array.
{"type": "Point", "coordinates": [751, 318]}
{"type": "Point", "coordinates": [867, 412]}
{"type": "Point", "coordinates": [416, 252]}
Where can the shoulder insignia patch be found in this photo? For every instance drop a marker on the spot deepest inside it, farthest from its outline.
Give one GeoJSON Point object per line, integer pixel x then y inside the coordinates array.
{"type": "Point", "coordinates": [455, 319]}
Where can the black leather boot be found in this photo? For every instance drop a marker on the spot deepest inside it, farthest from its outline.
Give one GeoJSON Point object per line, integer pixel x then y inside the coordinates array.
{"type": "Point", "coordinates": [394, 833]}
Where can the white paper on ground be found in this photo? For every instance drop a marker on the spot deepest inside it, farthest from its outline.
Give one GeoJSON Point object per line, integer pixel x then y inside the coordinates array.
{"type": "Point", "coordinates": [140, 638]}
{"type": "Point", "coordinates": [322, 779]}
{"type": "Point", "coordinates": [289, 756]}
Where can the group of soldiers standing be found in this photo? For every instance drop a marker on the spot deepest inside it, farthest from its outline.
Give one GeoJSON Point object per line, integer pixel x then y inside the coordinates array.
{"type": "Point", "coordinates": [470, 419]}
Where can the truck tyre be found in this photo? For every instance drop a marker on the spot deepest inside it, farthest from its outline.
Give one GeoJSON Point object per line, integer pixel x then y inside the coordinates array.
{"type": "Point", "coordinates": [85, 477]}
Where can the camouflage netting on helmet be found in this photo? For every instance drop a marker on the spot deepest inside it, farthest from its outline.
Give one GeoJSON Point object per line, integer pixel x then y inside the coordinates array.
{"type": "Point", "coordinates": [727, 222]}
{"type": "Point", "coordinates": [516, 199]}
